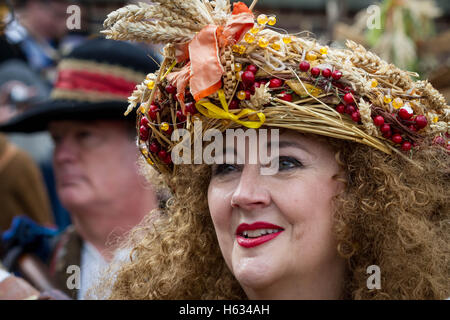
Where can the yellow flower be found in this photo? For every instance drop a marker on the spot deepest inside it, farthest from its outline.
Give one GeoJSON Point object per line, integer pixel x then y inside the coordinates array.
{"type": "Point", "coordinates": [151, 84]}
{"type": "Point", "coordinates": [310, 56]}
{"type": "Point", "coordinates": [272, 20]}
{"type": "Point", "coordinates": [262, 19]}
{"type": "Point", "coordinates": [250, 38]}
{"type": "Point", "coordinates": [263, 42]}
{"type": "Point", "coordinates": [164, 126]}
{"type": "Point", "coordinates": [287, 39]}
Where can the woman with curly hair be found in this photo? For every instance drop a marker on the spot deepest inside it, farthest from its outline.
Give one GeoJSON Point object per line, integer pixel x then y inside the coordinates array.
{"type": "Point", "coordinates": [362, 156]}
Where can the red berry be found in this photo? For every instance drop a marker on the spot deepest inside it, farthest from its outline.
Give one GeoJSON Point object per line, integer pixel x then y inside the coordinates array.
{"type": "Point", "coordinates": [169, 131]}
{"type": "Point", "coordinates": [396, 138]}
{"type": "Point", "coordinates": [234, 104]}
{"type": "Point", "coordinates": [406, 146]}
{"type": "Point", "coordinates": [385, 128]}
{"type": "Point", "coordinates": [326, 73]}
{"type": "Point", "coordinates": [304, 66]}
{"type": "Point", "coordinates": [180, 116]}
{"type": "Point", "coordinates": [154, 147]}
{"type": "Point", "coordinates": [286, 96]}
{"type": "Point", "coordinates": [412, 128]}
{"type": "Point", "coordinates": [348, 89]}
{"type": "Point", "coordinates": [188, 94]}
{"type": "Point", "coordinates": [378, 121]}
{"type": "Point", "coordinates": [143, 133]}
{"type": "Point", "coordinates": [252, 68]}
{"type": "Point", "coordinates": [254, 86]}
{"type": "Point", "coordinates": [356, 116]}
{"type": "Point", "coordinates": [152, 115]}
{"type": "Point", "coordinates": [340, 108]}
{"type": "Point", "coordinates": [387, 134]}
{"type": "Point", "coordinates": [247, 94]}
{"type": "Point", "coordinates": [144, 121]}
{"type": "Point", "coordinates": [162, 154]}
{"type": "Point", "coordinates": [154, 108]}
{"type": "Point", "coordinates": [350, 109]}
{"type": "Point", "coordinates": [275, 83]}
{"type": "Point", "coordinates": [421, 121]}
{"type": "Point", "coordinates": [248, 78]}
{"type": "Point", "coordinates": [439, 140]}
{"type": "Point", "coordinates": [348, 97]}
{"type": "Point", "coordinates": [170, 89]}
{"type": "Point", "coordinates": [336, 75]}
{"type": "Point", "coordinates": [315, 72]}
{"type": "Point", "coordinates": [168, 159]}
{"type": "Point", "coordinates": [404, 114]}
{"type": "Point", "coordinates": [190, 108]}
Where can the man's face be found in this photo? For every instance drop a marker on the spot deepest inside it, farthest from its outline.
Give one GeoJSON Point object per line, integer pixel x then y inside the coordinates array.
{"type": "Point", "coordinates": [94, 162]}
{"type": "Point", "coordinates": [49, 17]}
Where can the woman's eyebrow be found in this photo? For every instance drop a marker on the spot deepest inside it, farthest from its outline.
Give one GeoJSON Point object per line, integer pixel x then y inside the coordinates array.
{"type": "Point", "coordinates": [281, 144]}
{"type": "Point", "coordinates": [287, 144]}
{"type": "Point", "coordinates": [228, 149]}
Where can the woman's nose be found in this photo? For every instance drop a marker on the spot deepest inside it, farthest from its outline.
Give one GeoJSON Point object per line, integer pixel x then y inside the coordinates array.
{"type": "Point", "coordinates": [252, 192]}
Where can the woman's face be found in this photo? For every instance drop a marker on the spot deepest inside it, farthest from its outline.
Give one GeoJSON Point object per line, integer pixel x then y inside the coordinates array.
{"type": "Point", "coordinates": [275, 231]}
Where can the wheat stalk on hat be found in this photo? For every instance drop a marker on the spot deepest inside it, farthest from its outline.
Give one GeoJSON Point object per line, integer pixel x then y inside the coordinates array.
{"type": "Point", "coordinates": [143, 11]}
{"type": "Point", "coordinates": [165, 22]}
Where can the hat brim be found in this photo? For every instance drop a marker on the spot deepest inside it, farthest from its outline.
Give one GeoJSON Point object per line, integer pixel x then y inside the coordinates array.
{"type": "Point", "coordinates": [39, 116]}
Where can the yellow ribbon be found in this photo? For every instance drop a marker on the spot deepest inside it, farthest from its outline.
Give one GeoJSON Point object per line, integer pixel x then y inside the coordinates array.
{"type": "Point", "coordinates": [210, 110]}
{"type": "Point", "coordinates": [168, 70]}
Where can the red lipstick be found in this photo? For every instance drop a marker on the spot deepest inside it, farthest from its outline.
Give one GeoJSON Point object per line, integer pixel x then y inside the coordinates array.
{"type": "Point", "coordinates": [247, 242]}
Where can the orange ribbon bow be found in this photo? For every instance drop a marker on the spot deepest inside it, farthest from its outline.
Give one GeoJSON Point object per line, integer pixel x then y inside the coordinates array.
{"type": "Point", "coordinates": [204, 70]}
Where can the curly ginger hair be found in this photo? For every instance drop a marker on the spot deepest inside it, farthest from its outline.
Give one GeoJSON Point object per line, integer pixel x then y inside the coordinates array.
{"type": "Point", "coordinates": [391, 214]}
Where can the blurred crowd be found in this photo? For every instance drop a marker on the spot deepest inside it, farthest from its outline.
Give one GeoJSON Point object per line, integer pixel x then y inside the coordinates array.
{"type": "Point", "coordinates": [60, 202]}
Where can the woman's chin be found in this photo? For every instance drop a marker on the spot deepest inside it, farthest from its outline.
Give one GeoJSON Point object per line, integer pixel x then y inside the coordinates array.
{"type": "Point", "coordinates": [253, 273]}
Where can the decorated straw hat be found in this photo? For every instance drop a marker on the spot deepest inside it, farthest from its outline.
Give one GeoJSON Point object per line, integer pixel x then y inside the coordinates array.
{"type": "Point", "coordinates": [229, 68]}
{"type": "Point", "coordinates": [93, 82]}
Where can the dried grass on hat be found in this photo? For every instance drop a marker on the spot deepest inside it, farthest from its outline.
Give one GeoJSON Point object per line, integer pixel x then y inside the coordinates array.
{"type": "Point", "coordinates": [268, 77]}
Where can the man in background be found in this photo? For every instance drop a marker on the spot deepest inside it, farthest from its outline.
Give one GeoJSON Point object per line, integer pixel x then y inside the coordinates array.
{"type": "Point", "coordinates": [95, 156]}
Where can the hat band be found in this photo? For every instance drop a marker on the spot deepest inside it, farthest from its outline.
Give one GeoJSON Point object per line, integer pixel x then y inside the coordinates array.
{"type": "Point", "coordinates": [100, 84]}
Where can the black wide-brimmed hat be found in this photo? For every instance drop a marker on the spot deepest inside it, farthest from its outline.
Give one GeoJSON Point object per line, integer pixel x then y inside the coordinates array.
{"type": "Point", "coordinates": [94, 82]}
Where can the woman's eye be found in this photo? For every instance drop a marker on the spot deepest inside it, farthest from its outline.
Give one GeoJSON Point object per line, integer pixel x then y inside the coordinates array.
{"type": "Point", "coordinates": [286, 163]}
{"type": "Point", "coordinates": [224, 169]}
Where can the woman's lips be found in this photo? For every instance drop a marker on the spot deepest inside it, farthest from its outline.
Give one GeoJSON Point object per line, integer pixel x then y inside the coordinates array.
{"type": "Point", "coordinates": [244, 228]}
